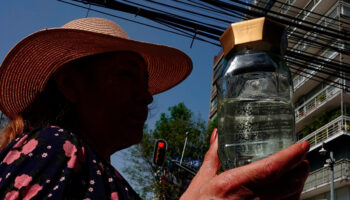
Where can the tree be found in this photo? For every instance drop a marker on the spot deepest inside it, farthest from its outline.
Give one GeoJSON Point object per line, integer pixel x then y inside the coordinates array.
{"type": "Point", "coordinates": [212, 124]}
{"type": "Point", "coordinates": [169, 181]}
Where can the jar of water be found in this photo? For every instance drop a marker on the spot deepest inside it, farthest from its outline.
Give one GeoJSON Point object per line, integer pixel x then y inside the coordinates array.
{"type": "Point", "coordinates": [255, 108]}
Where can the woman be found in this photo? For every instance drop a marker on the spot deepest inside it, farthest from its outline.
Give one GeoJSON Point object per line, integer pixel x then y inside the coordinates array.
{"type": "Point", "coordinates": [79, 93]}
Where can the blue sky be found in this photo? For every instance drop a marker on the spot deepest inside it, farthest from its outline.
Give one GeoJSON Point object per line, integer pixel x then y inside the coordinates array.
{"type": "Point", "coordinates": [23, 17]}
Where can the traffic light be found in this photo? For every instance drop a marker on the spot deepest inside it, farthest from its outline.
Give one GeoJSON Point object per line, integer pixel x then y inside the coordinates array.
{"type": "Point", "coordinates": [159, 152]}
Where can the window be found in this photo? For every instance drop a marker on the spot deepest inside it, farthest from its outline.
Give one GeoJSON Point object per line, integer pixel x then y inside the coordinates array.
{"type": "Point", "coordinates": [340, 44]}
{"type": "Point", "coordinates": [213, 90]}
{"type": "Point", "coordinates": [219, 69]}
{"type": "Point", "coordinates": [310, 5]}
{"type": "Point", "coordinates": [214, 116]}
{"type": "Point", "coordinates": [345, 10]}
{"type": "Point", "coordinates": [213, 105]}
{"type": "Point", "coordinates": [334, 13]}
{"type": "Point", "coordinates": [329, 55]}
{"type": "Point", "coordinates": [313, 36]}
{"type": "Point", "coordinates": [285, 8]}
{"type": "Point", "coordinates": [302, 15]}
{"type": "Point", "coordinates": [303, 46]}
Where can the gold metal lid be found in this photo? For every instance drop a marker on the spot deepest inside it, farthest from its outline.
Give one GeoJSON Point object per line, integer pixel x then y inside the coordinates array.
{"type": "Point", "coordinates": [256, 34]}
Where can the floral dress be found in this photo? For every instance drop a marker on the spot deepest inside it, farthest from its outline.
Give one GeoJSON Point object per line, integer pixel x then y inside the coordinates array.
{"type": "Point", "coordinates": [52, 163]}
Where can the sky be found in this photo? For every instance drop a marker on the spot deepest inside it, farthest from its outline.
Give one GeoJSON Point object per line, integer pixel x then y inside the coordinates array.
{"type": "Point", "coordinates": [23, 17]}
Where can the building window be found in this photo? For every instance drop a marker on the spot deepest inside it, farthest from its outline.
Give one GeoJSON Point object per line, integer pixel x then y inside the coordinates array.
{"type": "Point", "coordinates": [219, 69]}
{"type": "Point", "coordinates": [213, 105]}
{"type": "Point", "coordinates": [213, 91]}
{"type": "Point", "coordinates": [214, 116]}
{"type": "Point", "coordinates": [310, 5]}
{"type": "Point", "coordinates": [286, 6]}
{"type": "Point", "coordinates": [345, 10]}
{"type": "Point", "coordinates": [330, 54]}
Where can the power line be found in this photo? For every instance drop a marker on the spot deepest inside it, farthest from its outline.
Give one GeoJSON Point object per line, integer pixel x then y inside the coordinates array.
{"type": "Point", "coordinates": [206, 20]}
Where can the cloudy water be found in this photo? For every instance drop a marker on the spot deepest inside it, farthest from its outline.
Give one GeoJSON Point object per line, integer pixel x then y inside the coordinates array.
{"type": "Point", "coordinates": [253, 129]}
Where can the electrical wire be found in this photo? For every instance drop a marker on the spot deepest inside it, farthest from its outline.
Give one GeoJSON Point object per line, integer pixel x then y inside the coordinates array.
{"type": "Point", "coordinates": [144, 24]}
{"type": "Point", "coordinates": [196, 21]}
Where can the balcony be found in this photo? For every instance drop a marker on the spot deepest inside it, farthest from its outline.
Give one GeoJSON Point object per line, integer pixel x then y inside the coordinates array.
{"type": "Point", "coordinates": [333, 129]}
{"type": "Point", "coordinates": [315, 102]}
{"type": "Point", "coordinates": [318, 181]}
{"type": "Point", "coordinates": [213, 107]}
{"type": "Point", "coordinates": [324, 97]}
{"type": "Point", "coordinates": [316, 6]}
{"type": "Point", "coordinates": [213, 92]}
{"type": "Point", "coordinates": [304, 83]}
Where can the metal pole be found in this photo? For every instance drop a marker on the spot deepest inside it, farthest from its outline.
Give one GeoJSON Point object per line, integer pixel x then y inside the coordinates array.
{"type": "Point", "coordinates": [183, 150]}
{"type": "Point", "coordinates": [331, 165]}
{"type": "Point", "coordinates": [184, 167]}
{"type": "Point", "coordinates": [343, 128]}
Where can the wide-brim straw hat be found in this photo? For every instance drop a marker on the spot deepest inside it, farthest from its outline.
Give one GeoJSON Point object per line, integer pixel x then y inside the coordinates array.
{"type": "Point", "coordinates": [32, 62]}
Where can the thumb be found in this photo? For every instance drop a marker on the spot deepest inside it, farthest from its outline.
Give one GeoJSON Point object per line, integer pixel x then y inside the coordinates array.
{"type": "Point", "coordinates": [211, 163]}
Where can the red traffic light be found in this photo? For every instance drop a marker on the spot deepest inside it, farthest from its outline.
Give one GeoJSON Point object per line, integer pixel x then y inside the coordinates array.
{"type": "Point", "coordinates": [159, 152]}
{"type": "Point", "coordinates": [161, 144]}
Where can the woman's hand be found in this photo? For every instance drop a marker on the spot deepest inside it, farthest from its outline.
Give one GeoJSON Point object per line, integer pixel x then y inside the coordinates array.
{"type": "Point", "coordinates": [280, 176]}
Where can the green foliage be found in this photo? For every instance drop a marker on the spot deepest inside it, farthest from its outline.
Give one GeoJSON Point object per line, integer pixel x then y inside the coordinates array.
{"type": "Point", "coordinates": [212, 124]}
{"type": "Point", "coordinates": [326, 117]}
{"type": "Point", "coordinates": [347, 127]}
{"type": "Point", "coordinates": [321, 98]}
{"type": "Point", "coordinates": [172, 127]}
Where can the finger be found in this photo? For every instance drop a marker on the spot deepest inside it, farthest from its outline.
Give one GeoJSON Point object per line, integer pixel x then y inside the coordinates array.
{"type": "Point", "coordinates": [296, 196]}
{"type": "Point", "coordinates": [298, 177]}
{"type": "Point", "coordinates": [214, 135]}
{"type": "Point", "coordinates": [287, 186]}
{"type": "Point", "coordinates": [211, 163]}
{"type": "Point", "coordinates": [268, 169]}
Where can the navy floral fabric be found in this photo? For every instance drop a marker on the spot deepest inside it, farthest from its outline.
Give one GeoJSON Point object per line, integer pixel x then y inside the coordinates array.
{"type": "Point", "coordinates": [52, 163]}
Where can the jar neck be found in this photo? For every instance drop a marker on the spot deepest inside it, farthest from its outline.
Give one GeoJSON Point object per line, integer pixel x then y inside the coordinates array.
{"type": "Point", "coordinates": [276, 57]}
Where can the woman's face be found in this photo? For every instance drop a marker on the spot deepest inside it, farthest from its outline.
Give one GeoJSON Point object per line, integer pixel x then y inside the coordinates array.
{"type": "Point", "coordinates": [112, 98]}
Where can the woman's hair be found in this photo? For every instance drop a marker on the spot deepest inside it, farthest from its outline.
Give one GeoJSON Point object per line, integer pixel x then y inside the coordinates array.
{"type": "Point", "coordinates": [12, 130]}
{"type": "Point", "coordinates": [50, 107]}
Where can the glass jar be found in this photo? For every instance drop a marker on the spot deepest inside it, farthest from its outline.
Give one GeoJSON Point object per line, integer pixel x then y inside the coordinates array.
{"type": "Point", "coordinates": [255, 108]}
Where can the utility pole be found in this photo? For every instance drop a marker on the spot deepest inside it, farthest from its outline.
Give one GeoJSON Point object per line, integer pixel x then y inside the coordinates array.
{"type": "Point", "coordinates": [183, 150]}
{"type": "Point", "coordinates": [329, 163]}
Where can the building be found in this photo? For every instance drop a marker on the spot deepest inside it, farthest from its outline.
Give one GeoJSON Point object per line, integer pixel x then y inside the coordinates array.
{"type": "Point", "coordinates": [217, 70]}
{"type": "Point", "coordinates": [322, 108]}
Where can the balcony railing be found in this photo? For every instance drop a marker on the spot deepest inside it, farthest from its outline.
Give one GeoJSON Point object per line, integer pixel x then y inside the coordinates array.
{"type": "Point", "coordinates": [316, 101]}
{"type": "Point", "coordinates": [213, 91]}
{"type": "Point", "coordinates": [321, 176]}
{"type": "Point", "coordinates": [304, 13]}
{"type": "Point", "coordinates": [332, 128]}
{"type": "Point", "coordinates": [297, 82]}
{"type": "Point", "coordinates": [300, 79]}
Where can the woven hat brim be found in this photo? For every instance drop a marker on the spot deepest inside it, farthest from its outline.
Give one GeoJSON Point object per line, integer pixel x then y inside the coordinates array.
{"type": "Point", "coordinates": [30, 64]}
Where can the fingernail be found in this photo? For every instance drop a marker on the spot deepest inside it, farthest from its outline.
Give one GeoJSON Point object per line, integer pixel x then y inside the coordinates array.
{"type": "Point", "coordinates": [306, 146]}
{"type": "Point", "coordinates": [213, 135]}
